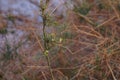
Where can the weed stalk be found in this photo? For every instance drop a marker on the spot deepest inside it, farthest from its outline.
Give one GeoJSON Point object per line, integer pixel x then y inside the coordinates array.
{"type": "Point", "coordinates": [43, 7]}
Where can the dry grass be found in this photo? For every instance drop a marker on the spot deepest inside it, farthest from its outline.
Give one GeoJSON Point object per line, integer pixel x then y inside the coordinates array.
{"type": "Point", "coordinates": [87, 49]}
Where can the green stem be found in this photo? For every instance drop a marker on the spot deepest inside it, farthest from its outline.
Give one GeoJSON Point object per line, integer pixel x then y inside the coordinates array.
{"type": "Point", "coordinates": [50, 69]}
{"type": "Point", "coordinates": [45, 42]}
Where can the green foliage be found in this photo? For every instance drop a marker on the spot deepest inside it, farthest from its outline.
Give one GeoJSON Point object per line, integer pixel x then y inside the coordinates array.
{"type": "Point", "coordinates": [11, 18]}
{"type": "Point", "coordinates": [61, 28]}
{"type": "Point", "coordinates": [97, 59]}
{"type": "Point", "coordinates": [101, 6]}
{"type": "Point", "coordinates": [25, 78]}
{"type": "Point", "coordinates": [118, 7]}
{"type": "Point", "coordinates": [102, 30]}
{"type": "Point", "coordinates": [67, 35]}
{"type": "Point", "coordinates": [3, 31]}
{"type": "Point", "coordinates": [8, 53]}
{"type": "Point", "coordinates": [55, 50]}
{"type": "Point", "coordinates": [84, 8]}
{"type": "Point", "coordinates": [1, 76]}
{"type": "Point", "coordinates": [50, 21]}
{"type": "Point", "coordinates": [12, 32]}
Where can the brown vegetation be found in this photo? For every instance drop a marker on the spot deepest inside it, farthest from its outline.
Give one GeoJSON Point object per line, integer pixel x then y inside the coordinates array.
{"type": "Point", "coordinates": [84, 47]}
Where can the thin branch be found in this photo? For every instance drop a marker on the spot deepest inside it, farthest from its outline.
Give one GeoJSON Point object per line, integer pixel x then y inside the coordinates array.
{"type": "Point", "coordinates": [111, 71]}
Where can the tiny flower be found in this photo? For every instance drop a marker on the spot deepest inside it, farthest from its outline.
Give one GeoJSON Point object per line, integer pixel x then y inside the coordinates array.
{"type": "Point", "coordinates": [53, 39]}
{"type": "Point", "coordinates": [46, 52]}
{"type": "Point", "coordinates": [60, 40]}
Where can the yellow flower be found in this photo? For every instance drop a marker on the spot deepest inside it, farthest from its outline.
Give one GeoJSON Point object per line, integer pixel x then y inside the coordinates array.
{"type": "Point", "coordinates": [60, 40]}
{"type": "Point", "coordinates": [46, 52]}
